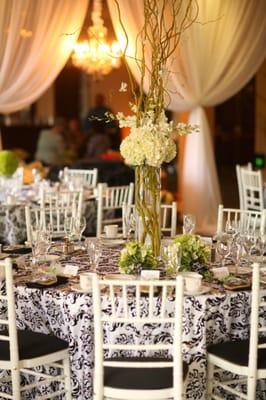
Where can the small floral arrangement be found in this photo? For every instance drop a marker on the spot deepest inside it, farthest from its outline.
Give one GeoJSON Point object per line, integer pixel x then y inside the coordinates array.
{"type": "Point", "coordinates": [136, 256]}
{"type": "Point", "coordinates": [195, 253]}
{"type": "Point", "coordinates": [8, 163]}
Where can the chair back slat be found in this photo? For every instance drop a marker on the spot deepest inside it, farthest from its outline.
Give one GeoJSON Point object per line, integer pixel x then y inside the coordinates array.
{"type": "Point", "coordinates": [168, 216]}
{"type": "Point", "coordinates": [247, 220]}
{"type": "Point", "coordinates": [111, 199]}
{"type": "Point", "coordinates": [239, 182]}
{"type": "Point", "coordinates": [130, 306]}
{"type": "Point", "coordinates": [82, 177]}
{"type": "Point", "coordinates": [252, 185]}
{"type": "Point", "coordinates": [124, 291]}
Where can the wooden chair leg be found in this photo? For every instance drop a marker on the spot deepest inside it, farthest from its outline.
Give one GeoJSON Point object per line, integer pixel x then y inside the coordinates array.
{"type": "Point", "coordinates": [252, 383]}
{"type": "Point", "coordinates": [15, 374]}
{"type": "Point", "coordinates": [67, 382]}
{"type": "Point", "coordinates": [210, 375]}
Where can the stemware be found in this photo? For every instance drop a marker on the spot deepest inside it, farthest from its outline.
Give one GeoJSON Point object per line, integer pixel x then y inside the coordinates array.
{"type": "Point", "coordinates": [189, 223]}
{"type": "Point", "coordinates": [171, 256]}
{"type": "Point", "coordinates": [129, 221]}
{"type": "Point", "coordinates": [69, 227]}
{"type": "Point", "coordinates": [90, 246]}
{"type": "Point", "coordinates": [79, 227]}
{"type": "Point", "coordinates": [223, 247]}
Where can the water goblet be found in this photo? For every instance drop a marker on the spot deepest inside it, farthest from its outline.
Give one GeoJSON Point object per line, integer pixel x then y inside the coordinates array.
{"type": "Point", "coordinates": [223, 247]}
{"type": "Point", "coordinates": [69, 227]}
{"type": "Point", "coordinates": [79, 227]}
{"type": "Point", "coordinates": [189, 223]}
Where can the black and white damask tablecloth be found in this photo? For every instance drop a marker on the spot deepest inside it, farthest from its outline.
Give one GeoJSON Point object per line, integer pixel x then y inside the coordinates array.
{"type": "Point", "coordinates": [207, 319]}
{"type": "Point", "coordinates": [13, 223]}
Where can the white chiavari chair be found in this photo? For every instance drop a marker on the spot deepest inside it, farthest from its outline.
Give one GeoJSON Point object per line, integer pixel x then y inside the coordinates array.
{"type": "Point", "coordinates": [168, 218]}
{"type": "Point", "coordinates": [138, 377]}
{"type": "Point", "coordinates": [111, 199]}
{"type": "Point", "coordinates": [22, 351]}
{"type": "Point", "coordinates": [239, 182]}
{"type": "Point", "coordinates": [52, 219]}
{"type": "Point", "coordinates": [246, 220]}
{"type": "Point", "coordinates": [83, 177]}
{"type": "Point", "coordinates": [252, 185]}
{"type": "Point", "coordinates": [246, 358]}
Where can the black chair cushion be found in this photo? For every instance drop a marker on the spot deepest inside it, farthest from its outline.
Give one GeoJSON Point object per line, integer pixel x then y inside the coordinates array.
{"type": "Point", "coordinates": [32, 345]}
{"type": "Point", "coordinates": [140, 378]}
{"type": "Point", "coordinates": [238, 352]}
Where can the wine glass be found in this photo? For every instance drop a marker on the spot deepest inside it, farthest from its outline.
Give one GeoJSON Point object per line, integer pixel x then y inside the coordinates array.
{"type": "Point", "coordinates": [189, 223]}
{"type": "Point", "coordinates": [79, 227]}
{"type": "Point", "coordinates": [129, 220]}
{"type": "Point", "coordinates": [223, 247]}
{"type": "Point", "coordinates": [96, 258]}
{"type": "Point", "coordinates": [69, 227]}
{"type": "Point", "coordinates": [90, 246]}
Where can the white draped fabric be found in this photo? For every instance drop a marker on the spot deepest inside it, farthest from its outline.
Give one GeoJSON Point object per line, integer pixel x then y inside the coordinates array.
{"type": "Point", "coordinates": [216, 58]}
{"type": "Point", "coordinates": [37, 38]}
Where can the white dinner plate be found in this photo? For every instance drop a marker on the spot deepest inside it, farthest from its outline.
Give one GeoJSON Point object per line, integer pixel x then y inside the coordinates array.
{"type": "Point", "coordinates": [203, 290]}
{"type": "Point", "coordinates": [112, 242]}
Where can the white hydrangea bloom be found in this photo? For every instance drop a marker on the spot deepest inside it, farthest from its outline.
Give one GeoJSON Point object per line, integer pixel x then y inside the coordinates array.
{"type": "Point", "coordinates": [150, 142]}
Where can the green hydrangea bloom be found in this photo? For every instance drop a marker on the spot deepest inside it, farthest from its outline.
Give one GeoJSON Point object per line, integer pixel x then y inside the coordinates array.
{"type": "Point", "coordinates": [193, 251]}
{"type": "Point", "coordinates": [136, 256]}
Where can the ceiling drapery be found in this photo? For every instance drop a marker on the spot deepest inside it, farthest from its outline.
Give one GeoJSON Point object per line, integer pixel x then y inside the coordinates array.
{"type": "Point", "coordinates": [216, 57]}
{"type": "Point", "coordinates": [37, 38]}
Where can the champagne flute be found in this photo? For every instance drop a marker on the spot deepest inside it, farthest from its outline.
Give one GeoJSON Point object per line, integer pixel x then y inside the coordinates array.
{"type": "Point", "coordinates": [80, 226]}
{"type": "Point", "coordinates": [189, 223]}
{"type": "Point", "coordinates": [69, 227]}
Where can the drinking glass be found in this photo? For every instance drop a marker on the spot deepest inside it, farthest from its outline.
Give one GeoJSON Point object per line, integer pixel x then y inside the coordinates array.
{"type": "Point", "coordinates": [257, 248]}
{"type": "Point", "coordinates": [171, 256]}
{"type": "Point", "coordinates": [90, 246]}
{"type": "Point", "coordinates": [223, 247]}
{"type": "Point", "coordinates": [189, 222]}
{"type": "Point", "coordinates": [96, 258]}
{"type": "Point", "coordinates": [69, 227]}
{"type": "Point", "coordinates": [129, 221]}
{"type": "Point", "coordinates": [79, 227]}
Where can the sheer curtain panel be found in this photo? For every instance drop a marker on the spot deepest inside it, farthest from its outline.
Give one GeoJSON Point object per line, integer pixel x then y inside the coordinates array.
{"type": "Point", "coordinates": [217, 56]}
{"type": "Point", "coordinates": [37, 38]}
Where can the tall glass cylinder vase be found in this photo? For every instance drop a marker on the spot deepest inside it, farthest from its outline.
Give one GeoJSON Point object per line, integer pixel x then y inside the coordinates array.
{"type": "Point", "coordinates": [147, 200]}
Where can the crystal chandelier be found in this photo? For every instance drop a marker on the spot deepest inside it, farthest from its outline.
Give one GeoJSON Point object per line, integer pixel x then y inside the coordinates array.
{"type": "Point", "coordinates": [96, 56]}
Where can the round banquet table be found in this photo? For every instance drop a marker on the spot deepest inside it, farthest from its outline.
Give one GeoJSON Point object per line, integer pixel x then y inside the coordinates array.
{"type": "Point", "coordinates": [210, 318]}
{"type": "Point", "coordinates": [13, 223]}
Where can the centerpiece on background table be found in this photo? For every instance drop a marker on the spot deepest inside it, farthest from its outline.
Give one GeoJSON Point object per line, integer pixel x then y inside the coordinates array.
{"type": "Point", "coordinates": [8, 163]}
{"type": "Point", "coordinates": [151, 139]}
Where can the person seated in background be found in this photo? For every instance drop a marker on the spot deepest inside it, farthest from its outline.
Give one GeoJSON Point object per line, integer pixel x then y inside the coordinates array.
{"type": "Point", "coordinates": [98, 113]}
{"type": "Point", "coordinates": [74, 139]}
{"type": "Point", "coordinates": [99, 142]}
{"type": "Point", "coordinates": [50, 146]}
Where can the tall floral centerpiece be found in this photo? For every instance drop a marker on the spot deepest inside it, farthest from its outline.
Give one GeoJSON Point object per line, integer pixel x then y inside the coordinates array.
{"type": "Point", "coordinates": [151, 139]}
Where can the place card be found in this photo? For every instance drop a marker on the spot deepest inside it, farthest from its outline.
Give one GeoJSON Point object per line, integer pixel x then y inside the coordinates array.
{"type": "Point", "coordinates": [71, 270]}
{"type": "Point", "coordinates": [149, 275]}
{"type": "Point", "coordinates": [220, 272]}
